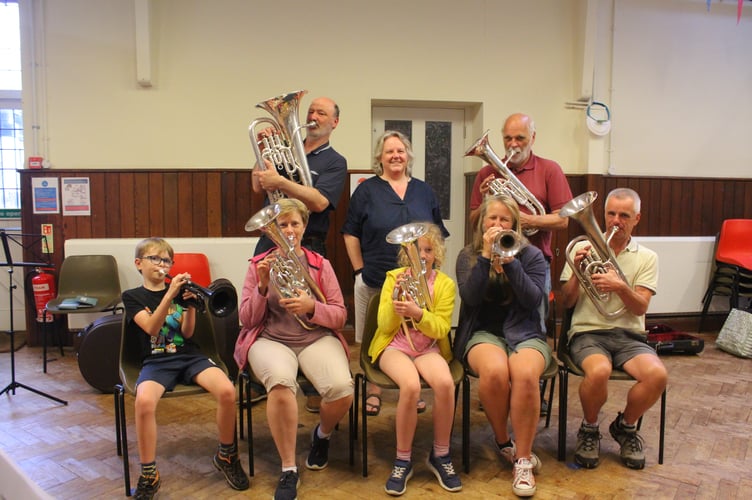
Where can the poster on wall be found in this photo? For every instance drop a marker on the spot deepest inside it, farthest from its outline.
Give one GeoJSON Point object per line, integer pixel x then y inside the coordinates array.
{"type": "Point", "coordinates": [45, 195]}
{"type": "Point", "coordinates": [76, 198]}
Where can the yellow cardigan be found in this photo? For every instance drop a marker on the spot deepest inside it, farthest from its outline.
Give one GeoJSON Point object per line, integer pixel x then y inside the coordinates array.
{"type": "Point", "coordinates": [435, 324]}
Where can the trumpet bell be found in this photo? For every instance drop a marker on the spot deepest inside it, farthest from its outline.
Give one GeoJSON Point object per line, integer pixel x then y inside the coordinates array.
{"type": "Point", "coordinates": [507, 244]}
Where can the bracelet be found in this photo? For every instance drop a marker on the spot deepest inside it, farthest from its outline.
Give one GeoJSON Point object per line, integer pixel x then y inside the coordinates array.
{"type": "Point", "coordinates": [357, 272]}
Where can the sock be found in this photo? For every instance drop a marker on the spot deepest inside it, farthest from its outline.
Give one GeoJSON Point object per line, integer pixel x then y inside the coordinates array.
{"type": "Point", "coordinates": [228, 451]}
{"type": "Point", "coordinates": [320, 434]}
{"type": "Point", "coordinates": [149, 470]}
{"type": "Point", "coordinates": [508, 444]}
{"type": "Point", "coordinates": [405, 455]}
{"type": "Point", "coordinates": [587, 424]}
{"type": "Point", "coordinates": [627, 427]}
{"type": "Point", "coordinates": [440, 450]}
{"type": "Point", "coordinates": [293, 468]}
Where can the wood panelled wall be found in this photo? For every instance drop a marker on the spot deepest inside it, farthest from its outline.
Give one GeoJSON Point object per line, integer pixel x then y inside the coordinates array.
{"type": "Point", "coordinates": [217, 203]}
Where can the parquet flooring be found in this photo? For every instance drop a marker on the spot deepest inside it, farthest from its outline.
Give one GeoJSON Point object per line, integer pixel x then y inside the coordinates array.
{"type": "Point", "coordinates": [70, 450]}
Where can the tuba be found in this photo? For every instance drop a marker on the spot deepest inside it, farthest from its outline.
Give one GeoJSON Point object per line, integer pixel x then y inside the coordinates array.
{"type": "Point", "coordinates": [287, 274]}
{"type": "Point", "coordinates": [413, 285]}
{"type": "Point", "coordinates": [511, 185]}
{"type": "Point", "coordinates": [284, 149]}
{"type": "Point", "coordinates": [601, 258]}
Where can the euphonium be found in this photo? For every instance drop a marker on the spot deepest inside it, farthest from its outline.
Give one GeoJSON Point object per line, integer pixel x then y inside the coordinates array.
{"type": "Point", "coordinates": [511, 185]}
{"type": "Point", "coordinates": [220, 298]}
{"type": "Point", "coordinates": [287, 274]}
{"type": "Point", "coordinates": [284, 148]}
{"type": "Point", "coordinates": [411, 285]}
{"type": "Point", "coordinates": [601, 258]}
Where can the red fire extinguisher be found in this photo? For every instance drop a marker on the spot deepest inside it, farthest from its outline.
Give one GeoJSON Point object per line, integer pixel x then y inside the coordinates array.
{"type": "Point", "coordinates": [44, 288]}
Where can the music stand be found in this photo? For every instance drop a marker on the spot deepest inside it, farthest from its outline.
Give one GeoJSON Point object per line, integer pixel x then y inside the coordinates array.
{"type": "Point", "coordinates": [14, 384]}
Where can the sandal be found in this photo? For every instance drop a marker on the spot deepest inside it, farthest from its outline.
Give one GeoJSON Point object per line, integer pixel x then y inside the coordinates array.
{"type": "Point", "coordinates": [421, 405]}
{"type": "Point", "coordinates": [372, 410]}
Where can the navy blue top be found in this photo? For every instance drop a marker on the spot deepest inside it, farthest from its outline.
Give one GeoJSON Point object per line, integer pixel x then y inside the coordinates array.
{"type": "Point", "coordinates": [375, 209]}
{"type": "Point", "coordinates": [509, 310]}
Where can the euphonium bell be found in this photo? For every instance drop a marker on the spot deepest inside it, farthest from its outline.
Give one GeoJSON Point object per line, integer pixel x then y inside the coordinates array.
{"type": "Point", "coordinates": [601, 258]}
{"type": "Point", "coordinates": [284, 148]}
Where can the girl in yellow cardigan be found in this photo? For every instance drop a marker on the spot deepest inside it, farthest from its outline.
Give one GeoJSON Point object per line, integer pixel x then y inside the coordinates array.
{"type": "Point", "coordinates": [410, 343]}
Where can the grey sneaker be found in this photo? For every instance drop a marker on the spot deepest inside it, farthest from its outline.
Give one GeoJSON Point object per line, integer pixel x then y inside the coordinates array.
{"type": "Point", "coordinates": [587, 452]}
{"type": "Point", "coordinates": [523, 482]}
{"type": "Point", "coordinates": [631, 444]}
{"type": "Point", "coordinates": [402, 471]}
{"type": "Point", "coordinates": [508, 454]}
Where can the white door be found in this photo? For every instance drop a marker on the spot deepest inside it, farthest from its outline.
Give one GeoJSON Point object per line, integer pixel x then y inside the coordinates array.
{"type": "Point", "coordinates": [436, 134]}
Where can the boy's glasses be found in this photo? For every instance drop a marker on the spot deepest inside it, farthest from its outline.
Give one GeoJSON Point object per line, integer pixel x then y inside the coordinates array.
{"type": "Point", "coordinates": [157, 260]}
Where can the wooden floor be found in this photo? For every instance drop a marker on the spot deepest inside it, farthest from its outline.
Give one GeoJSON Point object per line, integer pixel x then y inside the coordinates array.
{"type": "Point", "coordinates": [70, 450]}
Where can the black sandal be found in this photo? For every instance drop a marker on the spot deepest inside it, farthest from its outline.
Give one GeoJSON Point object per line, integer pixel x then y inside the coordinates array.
{"type": "Point", "coordinates": [375, 408]}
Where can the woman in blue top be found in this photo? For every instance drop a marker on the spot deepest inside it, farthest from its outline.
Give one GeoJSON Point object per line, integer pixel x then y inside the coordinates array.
{"type": "Point", "coordinates": [388, 200]}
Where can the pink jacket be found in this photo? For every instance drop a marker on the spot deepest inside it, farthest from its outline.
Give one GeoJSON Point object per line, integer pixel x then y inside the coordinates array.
{"type": "Point", "coordinates": [252, 312]}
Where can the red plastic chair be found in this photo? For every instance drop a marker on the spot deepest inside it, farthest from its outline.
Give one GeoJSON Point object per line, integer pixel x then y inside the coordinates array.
{"type": "Point", "coordinates": [195, 263]}
{"type": "Point", "coordinates": [735, 243]}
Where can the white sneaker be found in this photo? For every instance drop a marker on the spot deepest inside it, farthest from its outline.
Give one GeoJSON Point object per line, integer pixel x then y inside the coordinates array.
{"type": "Point", "coordinates": [523, 482]}
{"type": "Point", "coordinates": [508, 453]}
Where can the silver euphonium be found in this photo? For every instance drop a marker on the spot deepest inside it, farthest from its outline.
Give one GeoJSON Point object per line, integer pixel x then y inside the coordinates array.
{"type": "Point", "coordinates": [413, 285]}
{"type": "Point", "coordinates": [601, 258]}
{"type": "Point", "coordinates": [287, 272]}
{"type": "Point", "coordinates": [510, 184]}
{"type": "Point", "coordinates": [284, 149]}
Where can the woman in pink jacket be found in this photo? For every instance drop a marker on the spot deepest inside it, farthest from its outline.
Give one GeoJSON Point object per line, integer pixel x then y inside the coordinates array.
{"type": "Point", "coordinates": [281, 335]}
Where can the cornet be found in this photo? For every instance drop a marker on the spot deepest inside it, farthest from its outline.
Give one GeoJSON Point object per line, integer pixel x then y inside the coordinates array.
{"type": "Point", "coordinates": [601, 258]}
{"type": "Point", "coordinates": [284, 149]}
{"type": "Point", "coordinates": [507, 243]}
{"type": "Point", "coordinates": [510, 184]}
{"type": "Point", "coordinates": [221, 298]}
{"type": "Point", "coordinates": [413, 285]}
{"type": "Point", "coordinates": [287, 274]}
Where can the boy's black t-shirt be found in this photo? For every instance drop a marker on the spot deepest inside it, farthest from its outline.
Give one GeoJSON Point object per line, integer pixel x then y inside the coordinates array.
{"type": "Point", "coordinates": [170, 340]}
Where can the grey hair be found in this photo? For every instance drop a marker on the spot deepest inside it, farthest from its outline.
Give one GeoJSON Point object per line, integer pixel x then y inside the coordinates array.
{"type": "Point", "coordinates": [622, 193]}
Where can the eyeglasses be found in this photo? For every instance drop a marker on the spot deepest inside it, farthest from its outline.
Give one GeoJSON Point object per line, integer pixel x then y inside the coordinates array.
{"type": "Point", "coordinates": [157, 260]}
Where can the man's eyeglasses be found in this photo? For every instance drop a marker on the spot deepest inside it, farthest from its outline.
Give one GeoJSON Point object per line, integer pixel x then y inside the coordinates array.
{"type": "Point", "coordinates": [157, 260]}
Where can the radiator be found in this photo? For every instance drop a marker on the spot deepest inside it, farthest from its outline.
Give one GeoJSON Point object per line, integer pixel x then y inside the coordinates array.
{"type": "Point", "coordinates": [685, 267]}
{"type": "Point", "coordinates": [228, 258]}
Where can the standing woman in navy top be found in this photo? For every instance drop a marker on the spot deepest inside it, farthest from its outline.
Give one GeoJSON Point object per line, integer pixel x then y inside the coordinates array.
{"type": "Point", "coordinates": [379, 204]}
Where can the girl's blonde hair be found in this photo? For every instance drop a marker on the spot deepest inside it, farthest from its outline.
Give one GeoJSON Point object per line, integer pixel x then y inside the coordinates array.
{"type": "Point", "coordinates": [434, 236]}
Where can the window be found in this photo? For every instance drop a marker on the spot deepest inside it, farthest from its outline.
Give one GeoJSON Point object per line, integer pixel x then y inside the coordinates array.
{"type": "Point", "coordinates": [11, 115]}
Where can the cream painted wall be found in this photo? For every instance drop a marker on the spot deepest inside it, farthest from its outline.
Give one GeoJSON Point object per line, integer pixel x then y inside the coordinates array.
{"type": "Point", "coordinates": [214, 60]}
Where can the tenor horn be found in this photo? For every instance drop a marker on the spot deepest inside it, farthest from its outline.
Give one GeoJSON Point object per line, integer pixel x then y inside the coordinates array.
{"type": "Point", "coordinates": [601, 258]}
{"type": "Point", "coordinates": [287, 273]}
{"type": "Point", "coordinates": [284, 148]}
{"type": "Point", "coordinates": [509, 183]}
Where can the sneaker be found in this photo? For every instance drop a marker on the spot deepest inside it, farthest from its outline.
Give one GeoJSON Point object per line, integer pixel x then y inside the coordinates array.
{"type": "Point", "coordinates": [257, 396]}
{"type": "Point", "coordinates": [523, 480]}
{"type": "Point", "coordinates": [401, 474]}
{"type": "Point", "coordinates": [313, 404]}
{"type": "Point", "coordinates": [544, 408]}
{"type": "Point", "coordinates": [318, 457]}
{"type": "Point", "coordinates": [587, 452]}
{"type": "Point", "coordinates": [287, 488]}
{"type": "Point", "coordinates": [631, 444]}
{"type": "Point", "coordinates": [443, 469]}
{"type": "Point", "coordinates": [233, 471]}
{"type": "Point", "coordinates": [147, 487]}
{"type": "Point", "coordinates": [508, 454]}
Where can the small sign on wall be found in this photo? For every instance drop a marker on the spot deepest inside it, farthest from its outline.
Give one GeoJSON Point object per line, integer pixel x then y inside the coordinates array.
{"type": "Point", "coordinates": [48, 245]}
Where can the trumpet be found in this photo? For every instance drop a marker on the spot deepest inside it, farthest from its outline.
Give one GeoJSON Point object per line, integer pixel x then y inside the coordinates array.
{"type": "Point", "coordinates": [507, 243]}
{"type": "Point", "coordinates": [287, 274]}
{"type": "Point", "coordinates": [509, 183]}
{"type": "Point", "coordinates": [220, 298]}
{"type": "Point", "coordinates": [284, 149]}
{"type": "Point", "coordinates": [412, 285]}
{"type": "Point", "coordinates": [601, 258]}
